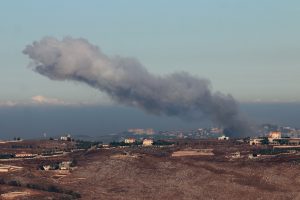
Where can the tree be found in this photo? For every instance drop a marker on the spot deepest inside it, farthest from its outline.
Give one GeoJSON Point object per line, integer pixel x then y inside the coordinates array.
{"type": "Point", "coordinates": [265, 141]}
{"type": "Point", "coordinates": [283, 141]}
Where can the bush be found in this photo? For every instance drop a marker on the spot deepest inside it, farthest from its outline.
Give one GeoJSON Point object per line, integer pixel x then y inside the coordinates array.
{"type": "Point", "coordinates": [117, 144]}
{"type": "Point", "coordinates": [14, 183]}
{"type": "Point", "coordinates": [73, 194]}
{"type": "Point", "coordinates": [6, 156]}
{"type": "Point", "coordinates": [2, 182]}
{"type": "Point", "coordinates": [74, 162]}
{"type": "Point", "coordinates": [53, 188]}
{"type": "Point", "coordinates": [275, 151]}
{"type": "Point", "coordinates": [80, 144]}
{"type": "Point", "coordinates": [34, 186]}
{"type": "Point", "coordinates": [282, 141]}
{"type": "Point", "coordinates": [162, 142]}
{"type": "Point", "coordinates": [265, 141]}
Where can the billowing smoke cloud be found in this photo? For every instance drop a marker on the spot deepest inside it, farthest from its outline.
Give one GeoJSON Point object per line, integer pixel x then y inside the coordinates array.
{"type": "Point", "coordinates": [128, 82]}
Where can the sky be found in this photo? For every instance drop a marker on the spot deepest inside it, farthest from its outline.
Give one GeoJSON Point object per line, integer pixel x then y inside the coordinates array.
{"type": "Point", "coordinates": [94, 121]}
{"type": "Point", "coordinates": [250, 49]}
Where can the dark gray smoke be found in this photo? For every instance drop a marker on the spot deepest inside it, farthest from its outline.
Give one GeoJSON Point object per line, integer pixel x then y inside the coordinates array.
{"type": "Point", "coordinates": [128, 82]}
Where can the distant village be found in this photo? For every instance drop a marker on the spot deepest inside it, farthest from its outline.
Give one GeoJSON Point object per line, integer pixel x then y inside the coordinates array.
{"type": "Point", "coordinates": [273, 136]}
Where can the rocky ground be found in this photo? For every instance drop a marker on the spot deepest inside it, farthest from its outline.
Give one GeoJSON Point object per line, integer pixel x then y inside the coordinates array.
{"type": "Point", "coordinates": [151, 173]}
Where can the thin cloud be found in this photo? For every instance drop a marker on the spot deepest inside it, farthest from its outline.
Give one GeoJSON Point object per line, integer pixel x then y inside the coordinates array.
{"type": "Point", "coordinates": [8, 103]}
{"type": "Point", "coordinates": [39, 99]}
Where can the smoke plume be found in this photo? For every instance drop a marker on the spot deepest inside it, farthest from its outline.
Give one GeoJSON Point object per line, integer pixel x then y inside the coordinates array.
{"type": "Point", "coordinates": [129, 83]}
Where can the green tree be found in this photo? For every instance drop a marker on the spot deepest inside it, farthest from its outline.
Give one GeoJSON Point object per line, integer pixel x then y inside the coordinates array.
{"type": "Point", "coordinates": [265, 140]}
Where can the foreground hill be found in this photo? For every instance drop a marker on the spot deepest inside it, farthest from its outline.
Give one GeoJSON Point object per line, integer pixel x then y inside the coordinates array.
{"type": "Point", "coordinates": [152, 173]}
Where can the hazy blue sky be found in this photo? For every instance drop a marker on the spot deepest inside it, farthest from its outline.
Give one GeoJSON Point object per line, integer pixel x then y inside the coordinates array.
{"type": "Point", "coordinates": [28, 122]}
{"type": "Point", "coordinates": [250, 49]}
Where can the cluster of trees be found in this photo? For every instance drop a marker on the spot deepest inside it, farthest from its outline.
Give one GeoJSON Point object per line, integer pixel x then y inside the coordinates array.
{"type": "Point", "coordinates": [162, 142]}
{"type": "Point", "coordinates": [53, 188]}
{"type": "Point", "coordinates": [6, 156]}
{"type": "Point", "coordinates": [117, 144]}
{"type": "Point", "coordinates": [48, 188]}
{"type": "Point", "coordinates": [18, 146]}
{"type": "Point", "coordinates": [275, 151]}
{"type": "Point", "coordinates": [265, 140]}
{"type": "Point", "coordinates": [81, 144]}
{"type": "Point", "coordinates": [282, 141]}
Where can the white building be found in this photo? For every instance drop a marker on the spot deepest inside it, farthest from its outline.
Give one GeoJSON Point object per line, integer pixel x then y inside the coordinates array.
{"type": "Point", "coordinates": [66, 137]}
{"type": "Point", "coordinates": [223, 137]}
{"type": "Point", "coordinates": [147, 142]}
{"type": "Point", "coordinates": [274, 135]}
{"type": "Point", "coordinates": [25, 155]}
{"type": "Point", "coordinates": [129, 140]}
{"type": "Point", "coordinates": [256, 141]}
{"type": "Point", "coordinates": [47, 167]}
{"type": "Point", "coordinates": [65, 165]}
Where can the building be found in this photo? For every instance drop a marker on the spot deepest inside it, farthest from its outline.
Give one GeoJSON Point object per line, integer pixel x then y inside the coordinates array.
{"type": "Point", "coordinates": [147, 142]}
{"type": "Point", "coordinates": [46, 167]}
{"type": "Point", "coordinates": [253, 155]}
{"type": "Point", "coordinates": [216, 131]}
{"type": "Point", "coordinates": [149, 131]}
{"type": "Point", "coordinates": [140, 131]}
{"type": "Point", "coordinates": [256, 141]}
{"type": "Point", "coordinates": [66, 138]}
{"type": "Point", "coordinates": [223, 137]}
{"type": "Point", "coordinates": [25, 155]}
{"type": "Point", "coordinates": [294, 141]}
{"type": "Point", "coordinates": [137, 131]}
{"type": "Point", "coordinates": [65, 165]}
{"type": "Point", "coordinates": [129, 140]}
{"type": "Point", "coordinates": [274, 135]}
{"type": "Point", "coordinates": [236, 154]}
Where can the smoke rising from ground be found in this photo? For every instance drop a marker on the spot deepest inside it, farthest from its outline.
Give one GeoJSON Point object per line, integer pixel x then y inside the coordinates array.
{"type": "Point", "coordinates": [129, 83]}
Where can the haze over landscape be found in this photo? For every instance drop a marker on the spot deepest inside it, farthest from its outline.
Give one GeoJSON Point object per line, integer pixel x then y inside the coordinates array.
{"type": "Point", "coordinates": [35, 121]}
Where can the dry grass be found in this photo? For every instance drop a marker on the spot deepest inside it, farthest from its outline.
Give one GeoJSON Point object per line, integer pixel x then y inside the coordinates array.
{"type": "Point", "coordinates": [193, 152]}
{"type": "Point", "coordinates": [153, 173]}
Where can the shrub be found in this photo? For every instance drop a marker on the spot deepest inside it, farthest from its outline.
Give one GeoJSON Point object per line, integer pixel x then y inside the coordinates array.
{"type": "Point", "coordinates": [14, 183]}
{"type": "Point", "coordinates": [53, 188]}
{"type": "Point", "coordinates": [34, 186]}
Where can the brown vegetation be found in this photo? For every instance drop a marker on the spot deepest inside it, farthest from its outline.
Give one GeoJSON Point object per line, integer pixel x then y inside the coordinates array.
{"type": "Point", "coordinates": [152, 173]}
